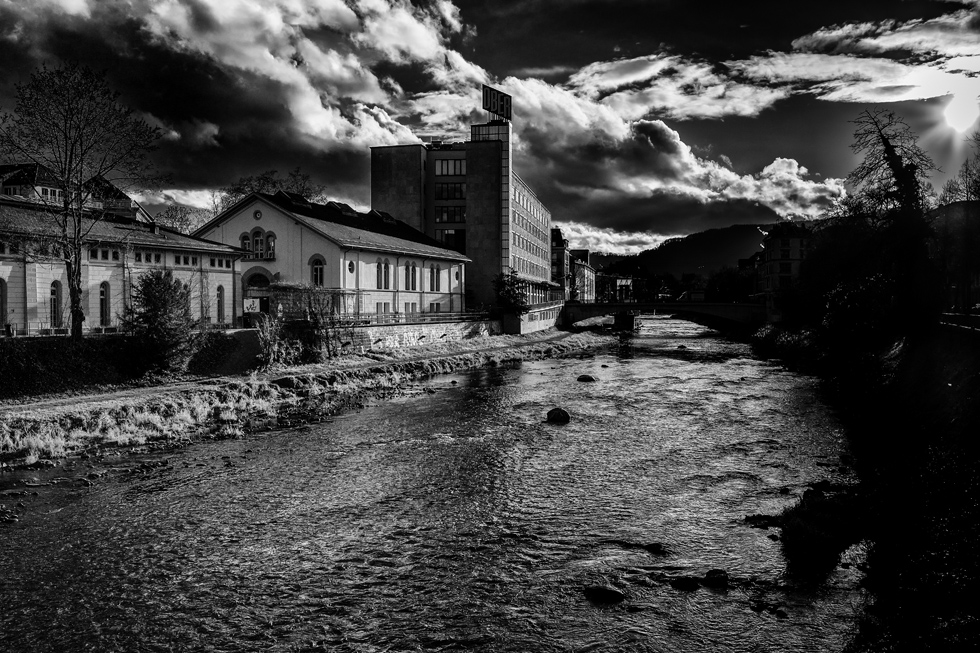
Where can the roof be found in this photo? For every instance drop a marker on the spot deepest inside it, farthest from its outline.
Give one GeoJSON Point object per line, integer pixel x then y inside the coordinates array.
{"type": "Point", "coordinates": [25, 219]}
{"type": "Point", "coordinates": [374, 230]}
{"type": "Point", "coordinates": [26, 174]}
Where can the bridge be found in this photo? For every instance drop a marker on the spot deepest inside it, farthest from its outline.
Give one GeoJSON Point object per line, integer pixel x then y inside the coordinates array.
{"type": "Point", "coordinates": [722, 315]}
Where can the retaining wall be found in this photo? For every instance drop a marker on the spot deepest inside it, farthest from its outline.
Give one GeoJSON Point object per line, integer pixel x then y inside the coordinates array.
{"type": "Point", "coordinates": [396, 336]}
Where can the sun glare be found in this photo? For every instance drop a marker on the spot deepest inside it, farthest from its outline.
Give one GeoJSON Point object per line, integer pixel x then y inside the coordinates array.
{"type": "Point", "coordinates": [961, 112]}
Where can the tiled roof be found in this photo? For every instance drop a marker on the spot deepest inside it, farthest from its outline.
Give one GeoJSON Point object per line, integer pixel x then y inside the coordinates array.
{"type": "Point", "coordinates": [20, 218]}
{"type": "Point", "coordinates": [372, 230]}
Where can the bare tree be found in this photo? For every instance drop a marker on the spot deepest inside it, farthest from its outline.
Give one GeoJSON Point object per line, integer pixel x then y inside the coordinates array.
{"type": "Point", "coordinates": [271, 181]}
{"type": "Point", "coordinates": [894, 170]}
{"type": "Point", "coordinates": [70, 122]}
{"type": "Point", "coordinates": [181, 218]}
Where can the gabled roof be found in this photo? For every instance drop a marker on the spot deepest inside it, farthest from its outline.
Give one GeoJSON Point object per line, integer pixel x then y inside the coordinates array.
{"type": "Point", "coordinates": [338, 222]}
{"type": "Point", "coordinates": [23, 219]}
{"type": "Point", "coordinates": [26, 174]}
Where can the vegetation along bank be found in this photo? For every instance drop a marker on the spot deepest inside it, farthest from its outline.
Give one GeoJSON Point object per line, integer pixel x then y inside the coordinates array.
{"type": "Point", "coordinates": [38, 434]}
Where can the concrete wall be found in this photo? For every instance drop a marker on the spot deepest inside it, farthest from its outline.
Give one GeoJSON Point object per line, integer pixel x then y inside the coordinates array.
{"type": "Point", "coordinates": [396, 336]}
{"type": "Point", "coordinates": [397, 182]}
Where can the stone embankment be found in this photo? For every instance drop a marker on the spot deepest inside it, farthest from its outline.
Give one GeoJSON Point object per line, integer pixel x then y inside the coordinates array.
{"type": "Point", "coordinates": [39, 433]}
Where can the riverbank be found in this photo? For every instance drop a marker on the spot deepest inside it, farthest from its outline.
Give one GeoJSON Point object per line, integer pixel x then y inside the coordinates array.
{"type": "Point", "coordinates": [39, 433]}
{"type": "Point", "coordinates": [912, 414]}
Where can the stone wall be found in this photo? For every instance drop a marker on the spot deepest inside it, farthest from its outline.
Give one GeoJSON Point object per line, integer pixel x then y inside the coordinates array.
{"type": "Point", "coordinates": [395, 336]}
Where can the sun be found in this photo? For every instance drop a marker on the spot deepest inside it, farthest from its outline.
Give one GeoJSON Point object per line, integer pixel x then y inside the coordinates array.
{"type": "Point", "coordinates": [961, 112]}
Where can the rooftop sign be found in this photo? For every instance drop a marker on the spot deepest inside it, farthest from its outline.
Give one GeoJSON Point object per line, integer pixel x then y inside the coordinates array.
{"type": "Point", "coordinates": [496, 102]}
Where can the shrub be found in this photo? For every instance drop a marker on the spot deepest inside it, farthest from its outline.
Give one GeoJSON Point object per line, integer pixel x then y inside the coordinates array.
{"type": "Point", "coordinates": [160, 319]}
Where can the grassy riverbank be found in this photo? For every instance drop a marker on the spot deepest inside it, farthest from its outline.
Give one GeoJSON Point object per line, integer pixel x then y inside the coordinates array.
{"type": "Point", "coordinates": [912, 414]}
{"type": "Point", "coordinates": [37, 433]}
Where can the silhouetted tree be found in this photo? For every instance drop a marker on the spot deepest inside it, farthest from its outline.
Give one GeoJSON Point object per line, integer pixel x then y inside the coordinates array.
{"type": "Point", "coordinates": [160, 318]}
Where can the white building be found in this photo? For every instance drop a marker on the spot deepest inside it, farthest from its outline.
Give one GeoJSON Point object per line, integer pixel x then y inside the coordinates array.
{"type": "Point", "coordinates": [370, 262]}
{"type": "Point", "coordinates": [34, 285]}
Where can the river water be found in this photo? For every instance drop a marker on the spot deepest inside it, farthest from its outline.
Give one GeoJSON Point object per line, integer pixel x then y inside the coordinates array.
{"type": "Point", "coordinates": [457, 520]}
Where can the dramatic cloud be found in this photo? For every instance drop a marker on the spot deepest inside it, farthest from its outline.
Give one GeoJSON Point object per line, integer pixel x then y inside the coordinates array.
{"type": "Point", "coordinates": [584, 236]}
{"type": "Point", "coordinates": [671, 87]}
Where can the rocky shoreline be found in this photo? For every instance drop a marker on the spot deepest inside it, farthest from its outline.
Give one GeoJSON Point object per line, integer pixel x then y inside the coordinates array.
{"type": "Point", "coordinates": [230, 407]}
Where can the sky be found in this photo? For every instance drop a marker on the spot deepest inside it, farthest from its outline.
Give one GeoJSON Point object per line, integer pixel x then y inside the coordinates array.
{"type": "Point", "coordinates": [634, 121]}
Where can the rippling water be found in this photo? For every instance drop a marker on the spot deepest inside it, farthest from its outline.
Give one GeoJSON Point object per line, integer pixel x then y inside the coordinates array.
{"type": "Point", "coordinates": [458, 520]}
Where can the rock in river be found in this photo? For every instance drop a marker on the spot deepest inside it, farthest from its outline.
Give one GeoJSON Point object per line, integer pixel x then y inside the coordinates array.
{"type": "Point", "coordinates": [587, 378]}
{"type": "Point", "coordinates": [603, 594]}
{"type": "Point", "coordinates": [558, 416]}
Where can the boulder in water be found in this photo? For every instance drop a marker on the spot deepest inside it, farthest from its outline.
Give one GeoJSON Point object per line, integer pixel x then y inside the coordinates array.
{"type": "Point", "coordinates": [587, 378]}
{"type": "Point", "coordinates": [558, 416]}
{"type": "Point", "coordinates": [717, 578]}
{"type": "Point", "coordinates": [603, 594]}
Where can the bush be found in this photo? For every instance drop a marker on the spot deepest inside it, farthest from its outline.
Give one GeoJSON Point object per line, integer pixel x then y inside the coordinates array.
{"type": "Point", "coordinates": [161, 321]}
{"type": "Point", "coordinates": [817, 529]}
{"type": "Point", "coordinates": [211, 348]}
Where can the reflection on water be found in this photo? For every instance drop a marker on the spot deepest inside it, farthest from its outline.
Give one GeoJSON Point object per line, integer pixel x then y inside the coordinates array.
{"type": "Point", "coordinates": [460, 520]}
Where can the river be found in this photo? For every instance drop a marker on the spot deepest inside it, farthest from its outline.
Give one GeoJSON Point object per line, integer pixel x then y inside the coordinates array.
{"type": "Point", "coordinates": [457, 520]}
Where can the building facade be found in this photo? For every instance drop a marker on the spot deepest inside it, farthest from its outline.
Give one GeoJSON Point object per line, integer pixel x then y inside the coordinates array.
{"type": "Point", "coordinates": [783, 249]}
{"type": "Point", "coordinates": [561, 263]}
{"type": "Point", "coordinates": [366, 263]}
{"type": "Point", "coordinates": [583, 276]}
{"type": "Point", "coordinates": [468, 197]}
{"type": "Point", "coordinates": [34, 294]}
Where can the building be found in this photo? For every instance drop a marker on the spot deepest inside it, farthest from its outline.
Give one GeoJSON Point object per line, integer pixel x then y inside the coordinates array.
{"type": "Point", "coordinates": [613, 287]}
{"type": "Point", "coordinates": [955, 248]}
{"type": "Point", "coordinates": [35, 183]}
{"type": "Point", "coordinates": [561, 263]}
{"type": "Point", "coordinates": [34, 295]}
{"type": "Point", "coordinates": [367, 263]}
{"type": "Point", "coordinates": [784, 247]}
{"type": "Point", "coordinates": [583, 276]}
{"type": "Point", "coordinates": [469, 197]}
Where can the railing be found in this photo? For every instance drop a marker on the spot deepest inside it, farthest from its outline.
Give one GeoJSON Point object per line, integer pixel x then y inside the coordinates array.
{"type": "Point", "coordinates": [377, 319]}
{"type": "Point", "coordinates": [962, 320]}
{"type": "Point", "coordinates": [259, 256]}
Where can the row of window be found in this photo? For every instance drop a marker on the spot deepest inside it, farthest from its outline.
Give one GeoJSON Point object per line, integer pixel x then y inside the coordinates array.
{"type": "Point", "coordinates": [384, 271]}
{"type": "Point", "coordinates": [452, 191]}
{"type": "Point", "coordinates": [383, 308]}
{"type": "Point", "coordinates": [27, 191]}
{"type": "Point", "coordinates": [450, 166]}
{"type": "Point", "coordinates": [531, 248]}
{"type": "Point", "coordinates": [528, 267]}
{"type": "Point", "coordinates": [530, 227]}
{"type": "Point", "coordinates": [531, 206]}
{"type": "Point", "coordinates": [259, 242]}
{"type": "Point", "coordinates": [454, 239]}
{"type": "Point", "coordinates": [450, 214]}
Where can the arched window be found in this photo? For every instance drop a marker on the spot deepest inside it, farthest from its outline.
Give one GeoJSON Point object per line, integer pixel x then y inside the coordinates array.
{"type": "Point", "coordinates": [432, 277]}
{"type": "Point", "coordinates": [3, 303]}
{"type": "Point", "coordinates": [221, 304]}
{"type": "Point", "coordinates": [246, 243]}
{"type": "Point", "coordinates": [105, 316]}
{"type": "Point", "coordinates": [270, 246]}
{"type": "Point", "coordinates": [438, 277]}
{"type": "Point", "coordinates": [316, 272]}
{"type": "Point", "coordinates": [408, 275]}
{"type": "Point", "coordinates": [387, 274]}
{"type": "Point", "coordinates": [380, 275]}
{"type": "Point", "coordinates": [55, 304]}
{"type": "Point", "coordinates": [415, 277]}
{"type": "Point", "coordinates": [258, 243]}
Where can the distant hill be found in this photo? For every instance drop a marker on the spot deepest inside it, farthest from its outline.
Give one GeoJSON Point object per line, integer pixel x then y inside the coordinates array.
{"type": "Point", "coordinates": [701, 253]}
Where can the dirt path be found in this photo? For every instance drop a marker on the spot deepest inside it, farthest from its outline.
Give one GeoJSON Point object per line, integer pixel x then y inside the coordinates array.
{"type": "Point", "coordinates": [40, 405]}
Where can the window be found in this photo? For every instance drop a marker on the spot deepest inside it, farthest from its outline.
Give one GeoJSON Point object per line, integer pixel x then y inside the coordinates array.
{"type": "Point", "coordinates": [434, 307]}
{"type": "Point", "coordinates": [156, 257]}
{"type": "Point", "coordinates": [54, 306]}
{"type": "Point", "coordinates": [115, 255]}
{"type": "Point", "coordinates": [104, 316]}
{"type": "Point", "coordinates": [450, 166]}
{"type": "Point", "coordinates": [785, 268]}
{"type": "Point", "coordinates": [316, 272]}
{"type": "Point", "coordinates": [450, 214]}
{"type": "Point", "coordinates": [258, 244]}
{"type": "Point", "coordinates": [408, 275]}
{"type": "Point", "coordinates": [211, 262]}
{"type": "Point", "coordinates": [411, 307]}
{"type": "Point", "coordinates": [270, 246]}
{"type": "Point", "coordinates": [246, 244]}
{"type": "Point", "coordinates": [4, 316]}
{"type": "Point", "coordinates": [454, 191]}
{"type": "Point", "coordinates": [105, 255]}
{"type": "Point", "coordinates": [384, 275]}
{"type": "Point", "coordinates": [193, 260]}
{"type": "Point", "coordinates": [452, 239]}
{"type": "Point", "coordinates": [220, 298]}
{"type": "Point", "coordinates": [415, 276]}
{"type": "Point", "coordinates": [138, 257]}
